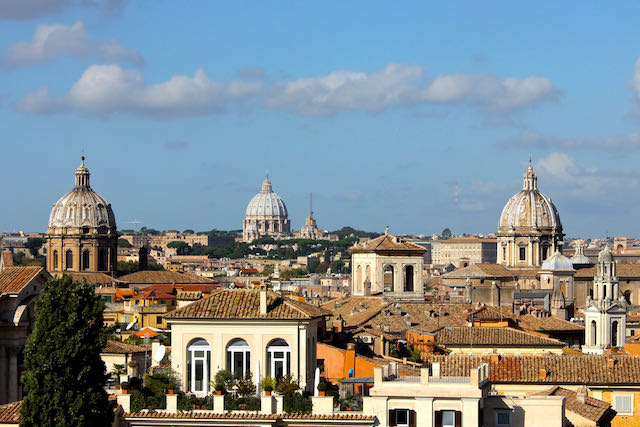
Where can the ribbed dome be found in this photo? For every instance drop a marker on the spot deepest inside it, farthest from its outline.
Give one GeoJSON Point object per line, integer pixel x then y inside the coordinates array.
{"type": "Point", "coordinates": [82, 207]}
{"type": "Point", "coordinates": [557, 262]}
{"type": "Point", "coordinates": [266, 204]}
{"type": "Point", "coordinates": [529, 208]}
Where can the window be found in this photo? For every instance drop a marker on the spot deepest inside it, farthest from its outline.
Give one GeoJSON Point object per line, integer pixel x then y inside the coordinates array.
{"type": "Point", "coordinates": [198, 363]}
{"type": "Point", "coordinates": [623, 403]}
{"type": "Point", "coordinates": [55, 260]}
{"type": "Point", "coordinates": [504, 253]}
{"type": "Point", "coordinates": [159, 320]}
{"type": "Point", "coordinates": [69, 260]}
{"type": "Point", "coordinates": [238, 357]}
{"type": "Point", "coordinates": [503, 419]}
{"type": "Point", "coordinates": [448, 418]}
{"type": "Point", "coordinates": [278, 358]}
{"type": "Point", "coordinates": [85, 260]}
{"type": "Point", "coordinates": [614, 333]}
{"type": "Point", "coordinates": [523, 254]}
{"type": "Point", "coordinates": [402, 417]}
{"type": "Point", "coordinates": [408, 278]}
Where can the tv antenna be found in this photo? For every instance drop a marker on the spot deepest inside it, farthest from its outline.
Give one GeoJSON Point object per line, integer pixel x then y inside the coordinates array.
{"type": "Point", "coordinates": [135, 223]}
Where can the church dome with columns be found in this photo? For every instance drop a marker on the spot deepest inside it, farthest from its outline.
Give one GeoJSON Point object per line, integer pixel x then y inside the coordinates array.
{"type": "Point", "coordinates": [82, 234]}
{"type": "Point", "coordinates": [82, 207]}
{"type": "Point", "coordinates": [529, 229]}
{"type": "Point", "coordinates": [266, 215]}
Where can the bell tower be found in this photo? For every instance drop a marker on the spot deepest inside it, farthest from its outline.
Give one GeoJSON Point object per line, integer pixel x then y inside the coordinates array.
{"type": "Point", "coordinates": [606, 313]}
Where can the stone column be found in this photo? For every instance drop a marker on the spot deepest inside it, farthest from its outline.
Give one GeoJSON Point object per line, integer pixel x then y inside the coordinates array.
{"type": "Point", "coordinates": [3, 376]}
{"type": "Point", "coordinates": [13, 374]}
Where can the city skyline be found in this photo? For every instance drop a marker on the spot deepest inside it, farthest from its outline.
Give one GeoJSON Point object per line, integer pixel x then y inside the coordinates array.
{"type": "Point", "coordinates": [420, 119]}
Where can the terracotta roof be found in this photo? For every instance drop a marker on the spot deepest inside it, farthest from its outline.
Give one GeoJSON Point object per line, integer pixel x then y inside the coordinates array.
{"type": "Point", "coordinates": [355, 310]}
{"type": "Point", "coordinates": [421, 316]}
{"type": "Point", "coordinates": [163, 277]}
{"type": "Point", "coordinates": [14, 279]}
{"type": "Point", "coordinates": [204, 415]}
{"type": "Point", "coordinates": [328, 417]}
{"type": "Point", "coordinates": [592, 409]}
{"type": "Point", "coordinates": [622, 270]}
{"type": "Point", "coordinates": [119, 347]}
{"type": "Point", "coordinates": [560, 369]}
{"type": "Point", "coordinates": [245, 304]}
{"type": "Point", "coordinates": [387, 243]}
{"type": "Point", "coordinates": [189, 295]}
{"type": "Point", "coordinates": [491, 313]}
{"type": "Point", "coordinates": [549, 323]}
{"type": "Point", "coordinates": [10, 412]}
{"type": "Point", "coordinates": [94, 278]}
{"type": "Point", "coordinates": [502, 337]}
{"type": "Point", "coordinates": [479, 271]}
{"type": "Point", "coordinates": [7, 259]}
{"type": "Point", "coordinates": [524, 271]}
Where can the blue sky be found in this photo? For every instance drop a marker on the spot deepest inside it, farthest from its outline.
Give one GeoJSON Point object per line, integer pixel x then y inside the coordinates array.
{"type": "Point", "coordinates": [420, 116]}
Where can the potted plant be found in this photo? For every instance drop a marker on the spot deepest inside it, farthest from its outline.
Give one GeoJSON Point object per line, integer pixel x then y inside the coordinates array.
{"type": "Point", "coordinates": [268, 384]}
{"type": "Point", "coordinates": [219, 389]}
{"type": "Point", "coordinates": [223, 381]}
{"type": "Point", "coordinates": [171, 388]}
{"type": "Point", "coordinates": [117, 371]}
{"type": "Point", "coordinates": [322, 388]}
{"type": "Point", "coordinates": [132, 364]}
{"type": "Point", "coordinates": [125, 387]}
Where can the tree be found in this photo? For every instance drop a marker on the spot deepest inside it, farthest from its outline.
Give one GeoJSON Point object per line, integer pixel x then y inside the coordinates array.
{"type": "Point", "coordinates": [64, 376]}
{"type": "Point", "coordinates": [181, 247]}
{"type": "Point", "coordinates": [34, 244]}
{"type": "Point", "coordinates": [446, 234]}
{"type": "Point", "coordinates": [123, 243]}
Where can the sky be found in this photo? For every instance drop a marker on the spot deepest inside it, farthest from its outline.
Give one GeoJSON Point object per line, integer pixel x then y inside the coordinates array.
{"type": "Point", "coordinates": [417, 115]}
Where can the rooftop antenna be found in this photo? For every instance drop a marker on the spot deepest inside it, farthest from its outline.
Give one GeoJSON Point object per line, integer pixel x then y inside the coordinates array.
{"type": "Point", "coordinates": [310, 205]}
{"type": "Point", "coordinates": [135, 223]}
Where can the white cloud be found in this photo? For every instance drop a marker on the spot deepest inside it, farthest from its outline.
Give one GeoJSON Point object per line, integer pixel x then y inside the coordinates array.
{"type": "Point", "coordinates": [104, 89]}
{"type": "Point", "coordinates": [110, 88]}
{"type": "Point", "coordinates": [28, 9]}
{"type": "Point", "coordinates": [405, 85]}
{"type": "Point", "coordinates": [529, 138]}
{"type": "Point", "coordinates": [52, 41]}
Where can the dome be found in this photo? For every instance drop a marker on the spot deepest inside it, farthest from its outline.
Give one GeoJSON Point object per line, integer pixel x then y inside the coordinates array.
{"type": "Point", "coordinates": [605, 255]}
{"type": "Point", "coordinates": [266, 204]}
{"type": "Point", "coordinates": [556, 262]}
{"type": "Point", "coordinates": [82, 207]}
{"type": "Point", "coordinates": [580, 258]}
{"type": "Point", "coordinates": [529, 208]}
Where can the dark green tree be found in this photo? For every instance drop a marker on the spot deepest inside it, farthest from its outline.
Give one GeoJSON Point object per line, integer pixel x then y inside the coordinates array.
{"type": "Point", "coordinates": [182, 247]}
{"type": "Point", "coordinates": [123, 243]}
{"type": "Point", "coordinates": [64, 375]}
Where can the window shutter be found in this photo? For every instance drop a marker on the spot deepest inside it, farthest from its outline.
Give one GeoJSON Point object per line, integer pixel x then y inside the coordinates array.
{"type": "Point", "coordinates": [438, 418]}
{"type": "Point", "coordinates": [458, 419]}
{"type": "Point", "coordinates": [412, 418]}
{"type": "Point", "coordinates": [392, 417]}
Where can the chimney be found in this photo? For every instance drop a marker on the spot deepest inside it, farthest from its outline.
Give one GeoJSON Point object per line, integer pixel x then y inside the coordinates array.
{"type": "Point", "coordinates": [338, 324]}
{"type": "Point", "coordinates": [611, 362]}
{"type": "Point", "coordinates": [495, 358]}
{"type": "Point", "coordinates": [581, 395]}
{"type": "Point", "coordinates": [543, 372]}
{"type": "Point", "coordinates": [263, 301]}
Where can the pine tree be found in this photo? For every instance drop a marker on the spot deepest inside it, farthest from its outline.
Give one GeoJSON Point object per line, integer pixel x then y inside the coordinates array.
{"type": "Point", "coordinates": [64, 375]}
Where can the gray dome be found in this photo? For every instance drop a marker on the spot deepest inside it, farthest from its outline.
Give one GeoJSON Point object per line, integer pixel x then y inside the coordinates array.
{"type": "Point", "coordinates": [580, 258]}
{"type": "Point", "coordinates": [605, 255]}
{"type": "Point", "coordinates": [557, 262]}
{"type": "Point", "coordinates": [529, 208]}
{"type": "Point", "coordinates": [266, 204]}
{"type": "Point", "coordinates": [82, 207]}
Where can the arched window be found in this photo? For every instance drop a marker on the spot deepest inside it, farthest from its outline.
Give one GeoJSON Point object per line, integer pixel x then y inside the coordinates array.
{"type": "Point", "coordinates": [614, 333]}
{"type": "Point", "coordinates": [69, 260]}
{"type": "Point", "coordinates": [593, 332]}
{"type": "Point", "coordinates": [198, 366]}
{"type": "Point", "coordinates": [408, 278]}
{"type": "Point", "coordinates": [102, 259]}
{"type": "Point", "coordinates": [389, 278]}
{"type": "Point", "coordinates": [359, 278]}
{"type": "Point", "coordinates": [85, 260]}
{"type": "Point", "coordinates": [238, 357]}
{"type": "Point", "coordinates": [278, 358]}
{"type": "Point", "coordinates": [55, 260]}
